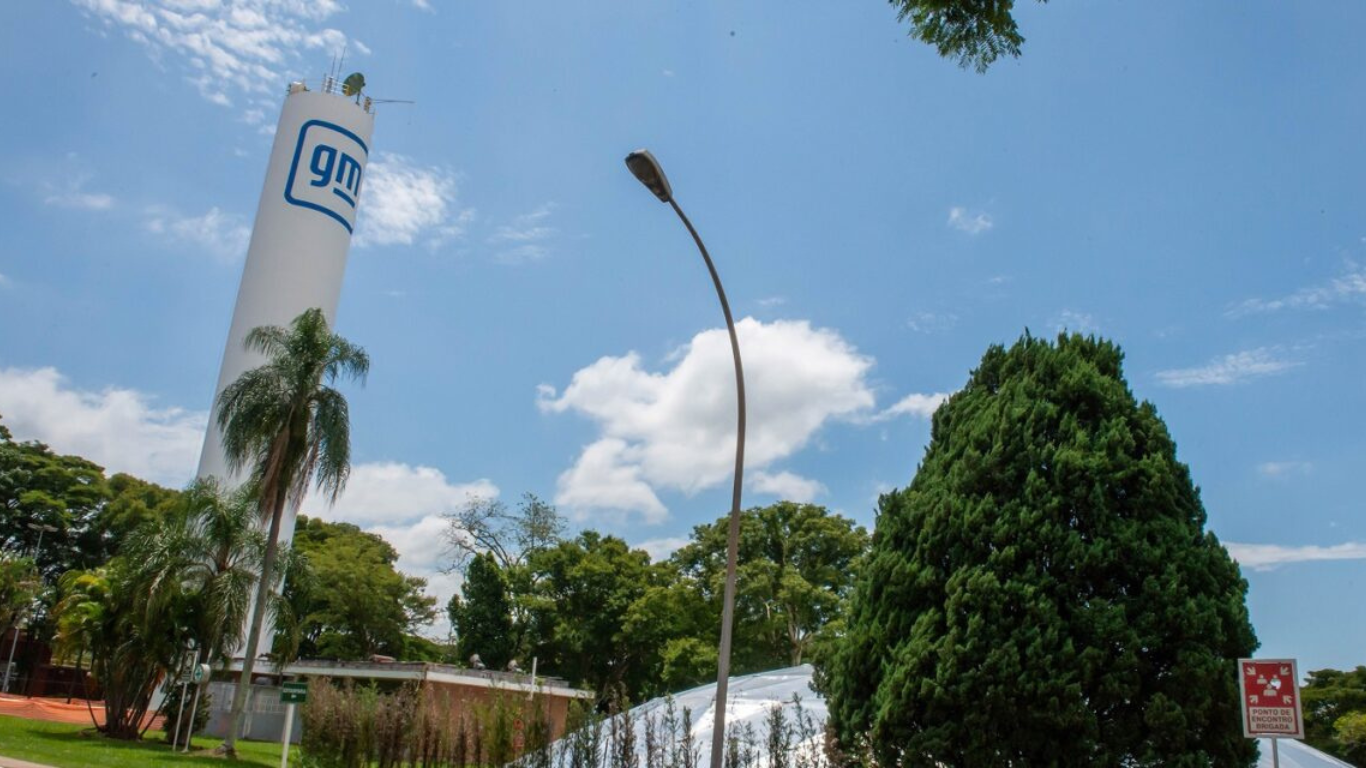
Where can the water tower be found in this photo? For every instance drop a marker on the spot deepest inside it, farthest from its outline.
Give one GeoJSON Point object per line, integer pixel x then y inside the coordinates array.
{"type": "Point", "coordinates": [301, 235]}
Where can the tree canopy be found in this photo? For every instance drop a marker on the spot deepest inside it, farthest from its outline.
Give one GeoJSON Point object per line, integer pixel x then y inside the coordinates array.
{"type": "Point", "coordinates": [1044, 591]}
{"type": "Point", "coordinates": [353, 602]}
{"type": "Point", "coordinates": [795, 567]}
{"type": "Point", "coordinates": [975, 32]}
{"type": "Point", "coordinates": [1335, 712]}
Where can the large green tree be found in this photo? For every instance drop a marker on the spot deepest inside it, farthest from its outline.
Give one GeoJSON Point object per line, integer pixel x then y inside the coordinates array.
{"type": "Point", "coordinates": [582, 599]}
{"type": "Point", "coordinates": [795, 567]}
{"type": "Point", "coordinates": [40, 489]}
{"type": "Point", "coordinates": [1045, 592]}
{"type": "Point", "coordinates": [975, 32]}
{"type": "Point", "coordinates": [353, 602]}
{"type": "Point", "coordinates": [287, 427]}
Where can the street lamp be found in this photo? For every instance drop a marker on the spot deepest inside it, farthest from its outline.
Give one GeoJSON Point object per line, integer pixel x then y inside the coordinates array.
{"type": "Point", "coordinates": [41, 528]}
{"type": "Point", "coordinates": [645, 168]}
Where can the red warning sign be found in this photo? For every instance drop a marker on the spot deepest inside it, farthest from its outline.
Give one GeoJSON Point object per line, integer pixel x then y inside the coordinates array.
{"type": "Point", "coordinates": [1270, 691]}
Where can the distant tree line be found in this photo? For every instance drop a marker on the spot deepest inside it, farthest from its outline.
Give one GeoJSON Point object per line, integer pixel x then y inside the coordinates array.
{"type": "Point", "coordinates": [594, 610]}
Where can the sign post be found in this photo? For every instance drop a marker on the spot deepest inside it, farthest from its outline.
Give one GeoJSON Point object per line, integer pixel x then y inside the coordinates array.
{"type": "Point", "coordinates": [1270, 693]}
{"type": "Point", "coordinates": [290, 694]}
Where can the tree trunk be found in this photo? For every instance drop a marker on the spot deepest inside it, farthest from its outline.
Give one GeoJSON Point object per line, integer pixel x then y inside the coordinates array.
{"type": "Point", "coordinates": [239, 696]}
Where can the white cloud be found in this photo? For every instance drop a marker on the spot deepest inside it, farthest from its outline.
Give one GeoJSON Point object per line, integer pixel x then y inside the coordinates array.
{"type": "Point", "coordinates": [524, 240]}
{"type": "Point", "coordinates": [672, 429]}
{"type": "Point", "coordinates": [608, 476]}
{"type": "Point", "coordinates": [120, 429]}
{"type": "Point", "coordinates": [1075, 322]}
{"type": "Point", "coordinates": [917, 405]}
{"type": "Point", "coordinates": [786, 486]}
{"type": "Point", "coordinates": [383, 492]}
{"type": "Point", "coordinates": [769, 302]}
{"type": "Point", "coordinates": [5, 282]}
{"type": "Point", "coordinates": [224, 235]}
{"type": "Point", "coordinates": [661, 549]}
{"type": "Point", "coordinates": [423, 5]}
{"type": "Point", "coordinates": [971, 222]}
{"type": "Point", "coordinates": [405, 505]}
{"type": "Point", "coordinates": [1283, 468]}
{"type": "Point", "coordinates": [1268, 557]}
{"type": "Point", "coordinates": [405, 203]}
{"type": "Point", "coordinates": [421, 544]}
{"type": "Point", "coordinates": [245, 47]}
{"type": "Point", "coordinates": [1229, 369]}
{"type": "Point", "coordinates": [1348, 287]}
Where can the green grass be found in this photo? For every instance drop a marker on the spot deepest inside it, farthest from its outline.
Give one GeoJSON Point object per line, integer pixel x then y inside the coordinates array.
{"type": "Point", "coordinates": [75, 746]}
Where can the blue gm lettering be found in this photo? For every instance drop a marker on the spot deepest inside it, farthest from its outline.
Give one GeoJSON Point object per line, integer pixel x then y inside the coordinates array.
{"type": "Point", "coordinates": [325, 175]}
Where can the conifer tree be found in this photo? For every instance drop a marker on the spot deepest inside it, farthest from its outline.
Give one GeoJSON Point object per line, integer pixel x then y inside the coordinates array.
{"type": "Point", "coordinates": [483, 620]}
{"type": "Point", "coordinates": [1044, 593]}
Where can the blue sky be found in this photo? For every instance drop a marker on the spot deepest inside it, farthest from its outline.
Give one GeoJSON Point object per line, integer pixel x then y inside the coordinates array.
{"type": "Point", "coordinates": [1182, 178]}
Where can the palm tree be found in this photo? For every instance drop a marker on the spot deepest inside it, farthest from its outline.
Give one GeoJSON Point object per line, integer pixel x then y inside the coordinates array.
{"type": "Point", "coordinates": [219, 547]}
{"type": "Point", "coordinates": [287, 426]}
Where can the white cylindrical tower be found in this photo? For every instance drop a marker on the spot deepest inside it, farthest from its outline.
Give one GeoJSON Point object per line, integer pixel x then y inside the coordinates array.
{"type": "Point", "coordinates": [300, 238]}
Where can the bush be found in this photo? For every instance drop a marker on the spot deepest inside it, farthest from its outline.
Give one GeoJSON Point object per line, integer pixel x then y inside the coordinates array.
{"type": "Point", "coordinates": [358, 726]}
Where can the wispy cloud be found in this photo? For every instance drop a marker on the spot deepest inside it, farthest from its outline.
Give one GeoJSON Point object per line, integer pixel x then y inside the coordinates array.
{"type": "Point", "coordinates": [5, 282]}
{"type": "Point", "coordinates": [1348, 287]}
{"type": "Point", "coordinates": [971, 222]}
{"type": "Point", "coordinates": [769, 302]}
{"type": "Point", "coordinates": [525, 238]}
{"type": "Point", "coordinates": [1229, 369]}
{"type": "Point", "coordinates": [406, 203]}
{"type": "Point", "coordinates": [1283, 468]}
{"type": "Point", "coordinates": [1076, 322]}
{"type": "Point", "coordinates": [1268, 557]}
{"type": "Point", "coordinates": [932, 322]}
{"type": "Point", "coordinates": [67, 186]}
{"type": "Point", "coordinates": [75, 198]}
{"type": "Point", "coordinates": [221, 234]}
{"type": "Point", "coordinates": [244, 47]}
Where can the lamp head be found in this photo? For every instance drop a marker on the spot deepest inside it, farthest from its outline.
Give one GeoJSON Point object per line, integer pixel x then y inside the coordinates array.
{"type": "Point", "coordinates": [646, 168]}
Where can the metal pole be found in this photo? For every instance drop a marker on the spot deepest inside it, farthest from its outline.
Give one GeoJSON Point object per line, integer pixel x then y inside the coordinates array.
{"type": "Point", "coordinates": [10, 665]}
{"type": "Point", "coordinates": [1275, 753]}
{"type": "Point", "coordinates": [194, 710]}
{"type": "Point", "coordinates": [180, 714]}
{"type": "Point", "coordinates": [289, 729]}
{"type": "Point", "coordinates": [718, 736]}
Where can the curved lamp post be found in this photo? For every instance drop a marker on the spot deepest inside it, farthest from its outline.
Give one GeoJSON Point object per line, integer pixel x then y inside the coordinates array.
{"type": "Point", "coordinates": [645, 168]}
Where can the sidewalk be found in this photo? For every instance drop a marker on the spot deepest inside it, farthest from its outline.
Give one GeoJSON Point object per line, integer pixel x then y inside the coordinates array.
{"type": "Point", "coordinates": [9, 762]}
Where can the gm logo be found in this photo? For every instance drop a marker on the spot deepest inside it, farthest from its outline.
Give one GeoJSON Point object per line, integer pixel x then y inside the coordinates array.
{"type": "Point", "coordinates": [326, 172]}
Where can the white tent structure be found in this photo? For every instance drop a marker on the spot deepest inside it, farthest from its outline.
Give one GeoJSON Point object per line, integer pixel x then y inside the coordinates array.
{"type": "Point", "coordinates": [752, 698]}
